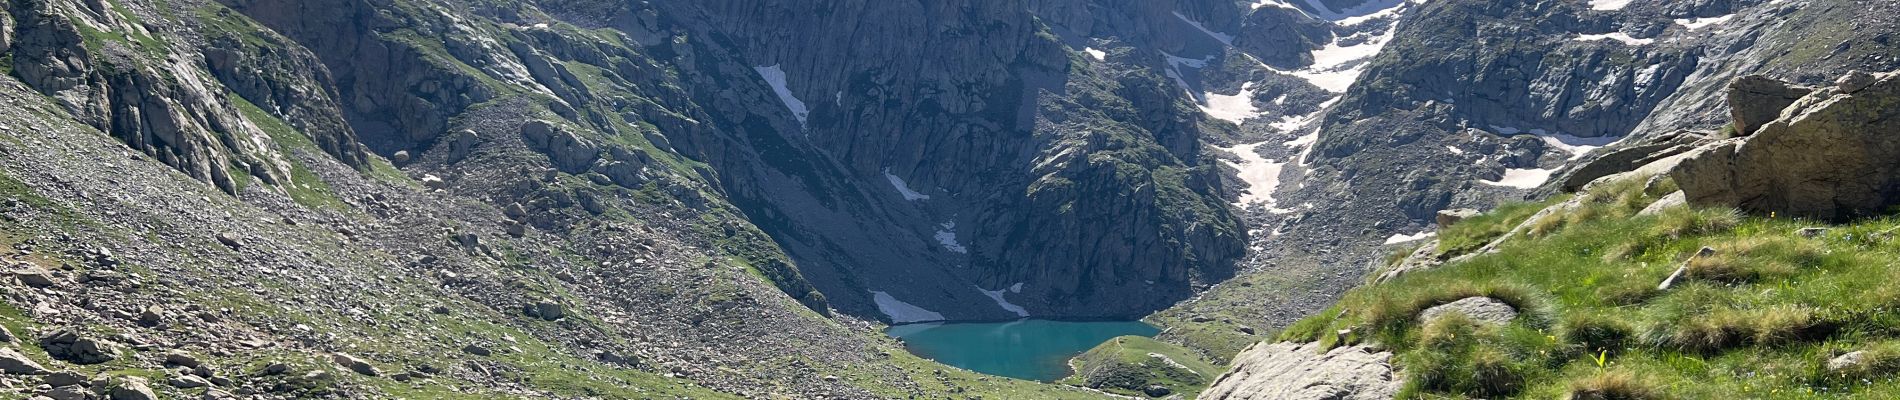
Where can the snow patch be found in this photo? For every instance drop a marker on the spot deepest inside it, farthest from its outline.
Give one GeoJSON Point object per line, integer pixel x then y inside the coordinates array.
{"type": "Point", "coordinates": [1402, 238]}
{"type": "Point", "coordinates": [1237, 108]}
{"type": "Point", "coordinates": [1261, 175]}
{"type": "Point", "coordinates": [1005, 304]}
{"type": "Point", "coordinates": [1275, 3]}
{"type": "Point", "coordinates": [1365, 9]}
{"type": "Point", "coordinates": [776, 76]}
{"type": "Point", "coordinates": [1335, 67]}
{"type": "Point", "coordinates": [947, 235]}
{"type": "Point", "coordinates": [902, 188]}
{"type": "Point", "coordinates": [1174, 68]}
{"type": "Point", "coordinates": [1617, 36]}
{"type": "Point", "coordinates": [1608, 5]}
{"type": "Point", "coordinates": [1305, 143]}
{"type": "Point", "coordinates": [1295, 122]}
{"type": "Point", "coordinates": [901, 312]}
{"type": "Point", "coordinates": [1699, 23]}
{"type": "Point", "coordinates": [1576, 146]}
{"type": "Point", "coordinates": [1225, 39]}
{"type": "Point", "coordinates": [1525, 178]}
{"type": "Point", "coordinates": [1098, 55]}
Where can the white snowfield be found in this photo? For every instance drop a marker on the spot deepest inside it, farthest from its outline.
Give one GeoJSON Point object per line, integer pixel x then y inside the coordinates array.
{"type": "Point", "coordinates": [1699, 23]}
{"type": "Point", "coordinates": [1608, 5]}
{"type": "Point", "coordinates": [1402, 238]}
{"type": "Point", "coordinates": [1236, 108]}
{"type": "Point", "coordinates": [776, 77]}
{"type": "Point", "coordinates": [1005, 304]}
{"type": "Point", "coordinates": [901, 312]}
{"type": "Point", "coordinates": [1617, 36]}
{"type": "Point", "coordinates": [1225, 39]}
{"type": "Point", "coordinates": [903, 188]}
{"type": "Point", "coordinates": [1527, 178]}
{"type": "Point", "coordinates": [1261, 175]}
{"type": "Point", "coordinates": [947, 236]}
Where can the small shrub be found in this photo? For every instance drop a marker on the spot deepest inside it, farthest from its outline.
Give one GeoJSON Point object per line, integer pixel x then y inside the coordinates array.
{"type": "Point", "coordinates": [1448, 333]}
{"type": "Point", "coordinates": [1679, 222]}
{"type": "Point", "coordinates": [1595, 332]}
{"type": "Point", "coordinates": [1494, 374]}
{"type": "Point", "coordinates": [1711, 333]}
{"type": "Point", "coordinates": [1615, 385]}
{"type": "Point", "coordinates": [1787, 324]}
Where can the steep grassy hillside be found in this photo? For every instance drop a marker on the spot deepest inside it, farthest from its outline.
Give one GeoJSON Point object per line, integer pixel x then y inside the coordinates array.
{"type": "Point", "coordinates": [1781, 308]}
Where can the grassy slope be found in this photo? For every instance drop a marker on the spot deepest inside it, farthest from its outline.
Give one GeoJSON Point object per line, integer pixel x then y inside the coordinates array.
{"type": "Point", "coordinates": [1126, 365]}
{"type": "Point", "coordinates": [1759, 319]}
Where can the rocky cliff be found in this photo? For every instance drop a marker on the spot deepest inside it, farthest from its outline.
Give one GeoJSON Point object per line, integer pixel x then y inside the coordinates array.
{"type": "Point", "coordinates": [1630, 270]}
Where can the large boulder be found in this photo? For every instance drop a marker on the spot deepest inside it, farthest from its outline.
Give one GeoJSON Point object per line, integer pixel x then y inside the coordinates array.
{"type": "Point", "coordinates": [1484, 310]}
{"type": "Point", "coordinates": [1755, 100]}
{"type": "Point", "coordinates": [1831, 156]}
{"type": "Point", "coordinates": [569, 152]}
{"type": "Point", "coordinates": [13, 362]}
{"type": "Point", "coordinates": [69, 345]}
{"type": "Point", "coordinates": [1299, 371]}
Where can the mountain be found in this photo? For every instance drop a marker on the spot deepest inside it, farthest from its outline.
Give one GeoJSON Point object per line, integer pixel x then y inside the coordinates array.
{"type": "Point", "coordinates": [730, 198]}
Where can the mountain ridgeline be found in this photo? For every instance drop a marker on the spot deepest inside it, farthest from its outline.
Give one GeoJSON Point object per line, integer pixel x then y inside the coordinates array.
{"type": "Point", "coordinates": [729, 198]}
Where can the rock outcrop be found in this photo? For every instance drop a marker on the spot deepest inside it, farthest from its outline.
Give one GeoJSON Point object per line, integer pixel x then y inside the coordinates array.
{"type": "Point", "coordinates": [1755, 100]}
{"type": "Point", "coordinates": [1481, 309]}
{"type": "Point", "coordinates": [1830, 155]}
{"type": "Point", "coordinates": [1279, 371]}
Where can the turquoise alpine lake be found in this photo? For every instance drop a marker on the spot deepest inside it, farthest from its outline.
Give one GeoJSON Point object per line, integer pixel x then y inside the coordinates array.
{"type": "Point", "coordinates": [1032, 349]}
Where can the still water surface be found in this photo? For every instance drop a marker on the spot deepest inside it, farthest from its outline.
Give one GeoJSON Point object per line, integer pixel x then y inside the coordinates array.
{"type": "Point", "coordinates": [1028, 349]}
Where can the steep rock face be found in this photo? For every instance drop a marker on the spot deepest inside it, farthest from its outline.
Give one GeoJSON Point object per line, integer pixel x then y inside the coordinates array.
{"type": "Point", "coordinates": [963, 134]}
{"type": "Point", "coordinates": [396, 97]}
{"type": "Point", "coordinates": [1831, 155]}
{"type": "Point", "coordinates": [932, 162]}
{"type": "Point", "coordinates": [126, 76]}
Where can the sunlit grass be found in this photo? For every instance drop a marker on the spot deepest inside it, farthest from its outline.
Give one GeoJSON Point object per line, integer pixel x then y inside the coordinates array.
{"type": "Point", "coordinates": [1760, 317]}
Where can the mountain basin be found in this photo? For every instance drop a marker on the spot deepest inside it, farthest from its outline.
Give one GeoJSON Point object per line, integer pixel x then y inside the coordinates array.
{"type": "Point", "coordinates": [1033, 349]}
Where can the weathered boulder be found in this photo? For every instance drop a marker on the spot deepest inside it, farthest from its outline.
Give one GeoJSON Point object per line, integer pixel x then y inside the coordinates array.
{"type": "Point", "coordinates": [1449, 217]}
{"type": "Point", "coordinates": [1424, 258]}
{"type": "Point", "coordinates": [13, 362]}
{"type": "Point", "coordinates": [569, 152]}
{"type": "Point", "coordinates": [1484, 310]}
{"type": "Point", "coordinates": [1630, 158]}
{"type": "Point", "coordinates": [131, 388]}
{"type": "Point", "coordinates": [1832, 156]}
{"type": "Point", "coordinates": [1854, 81]}
{"type": "Point", "coordinates": [1298, 371]}
{"type": "Point", "coordinates": [67, 344]}
{"type": "Point", "coordinates": [355, 363]}
{"type": "Point", "coordinates": [1847, 361]}
{"type": "Point", "coordinates": [35, 277]}
{"type": "Point", "coordinates": [1755, 100]}
{"type": "Point", "coordinates": [545, 309]}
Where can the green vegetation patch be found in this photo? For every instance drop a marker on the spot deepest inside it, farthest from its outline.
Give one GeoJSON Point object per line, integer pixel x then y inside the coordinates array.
{"type": "Point", "coordinates": [1134, 366]}
{"type": "Point", "coordinates": [304, 186]}
{"type": "Point", "coordinates": [1771, 313]}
